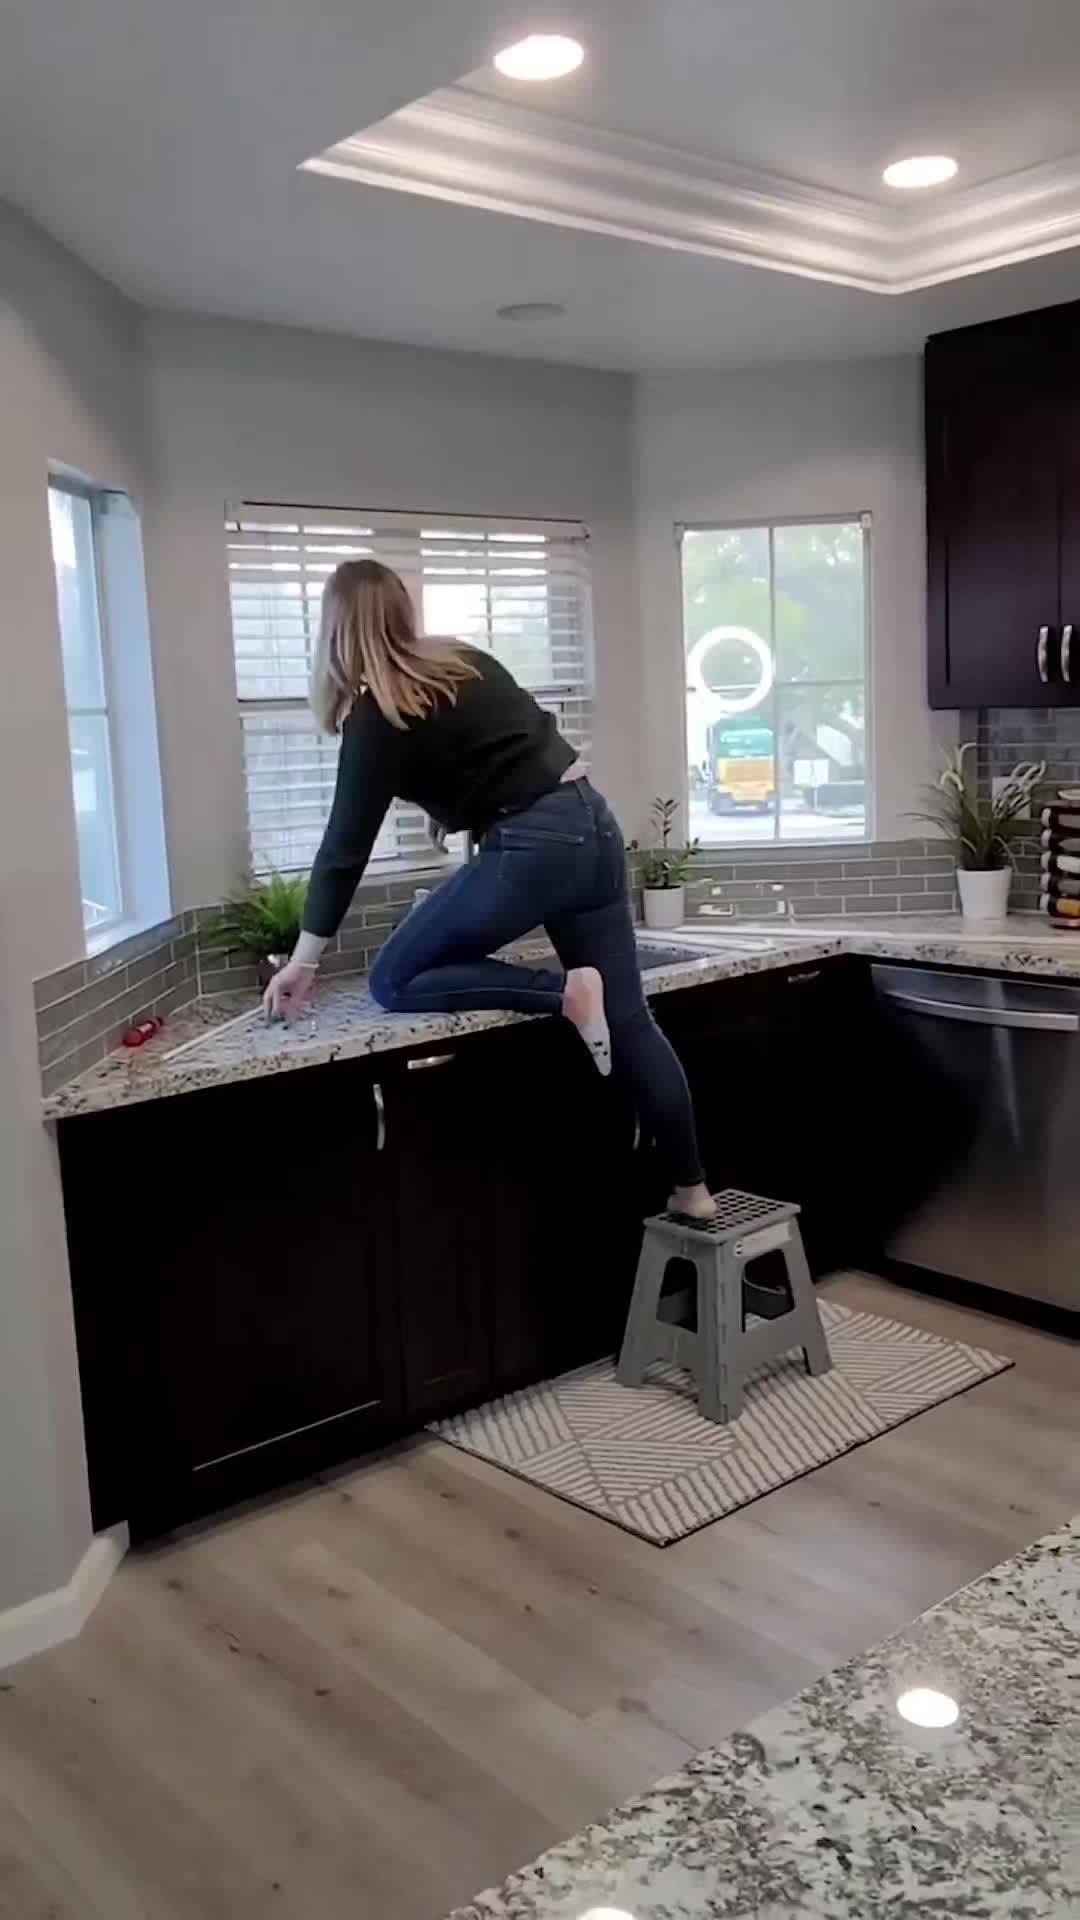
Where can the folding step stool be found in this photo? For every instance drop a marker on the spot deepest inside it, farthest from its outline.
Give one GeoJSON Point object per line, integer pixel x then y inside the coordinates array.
{"type": "Point", "coordinates": [721, 1354]}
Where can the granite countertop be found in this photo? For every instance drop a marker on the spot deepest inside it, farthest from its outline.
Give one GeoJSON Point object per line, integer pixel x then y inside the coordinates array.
{"type": "Point", "coordinates": [343, 1024]}
{"type": "Point", "coordinates": [834, 1808]}
{"type": "Point", "coordinates": [346, 1024]}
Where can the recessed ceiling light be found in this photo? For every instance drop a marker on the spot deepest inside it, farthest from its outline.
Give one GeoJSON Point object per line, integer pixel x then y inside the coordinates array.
{"type": "Point", "coordinates": [922, 170]}
{"type": "Point", "coordinates": [542, 56]}
{"type": "Point", "coordinates": [532, 310]}
{"type": "Point", "coordinates": [925, 1707]}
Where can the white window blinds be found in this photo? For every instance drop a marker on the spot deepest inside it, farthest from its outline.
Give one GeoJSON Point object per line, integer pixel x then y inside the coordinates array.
{"type": "Point", "coordinates": [518, 589]}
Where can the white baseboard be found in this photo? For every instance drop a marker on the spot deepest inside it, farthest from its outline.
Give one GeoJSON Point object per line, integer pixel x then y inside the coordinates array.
{"type": "Point", "coordinates": [61, 1614]}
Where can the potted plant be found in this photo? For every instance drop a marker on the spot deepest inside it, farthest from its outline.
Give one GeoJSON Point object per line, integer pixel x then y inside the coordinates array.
{"type": "Point", "coordinates": [978, 828]}
{"type": "Point", "coordinates": [664, 869]}
{"type": "Point", "coordinates": [263, 919]}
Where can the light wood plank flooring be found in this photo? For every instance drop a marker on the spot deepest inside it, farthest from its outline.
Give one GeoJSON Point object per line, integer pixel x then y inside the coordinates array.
{"type": "Point", "coordinates": [376, 1696]}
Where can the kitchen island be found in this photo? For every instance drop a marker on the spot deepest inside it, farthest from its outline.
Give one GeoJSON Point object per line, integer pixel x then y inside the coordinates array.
{"type": "Point", "coordinates": [833, 1807]}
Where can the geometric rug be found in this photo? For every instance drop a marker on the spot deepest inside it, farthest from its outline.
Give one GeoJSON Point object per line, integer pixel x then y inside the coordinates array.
{"type": "Point", "coordinates": [644, 1458]}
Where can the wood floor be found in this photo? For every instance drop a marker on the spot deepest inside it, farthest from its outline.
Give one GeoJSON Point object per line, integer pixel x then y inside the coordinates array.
{"type": "Point", "coordinates": [376, 1696]}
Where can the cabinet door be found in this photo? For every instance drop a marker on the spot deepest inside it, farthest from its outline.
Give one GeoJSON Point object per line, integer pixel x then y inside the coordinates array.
{"type": "Point", "coordinates": [567, 1194]}
{"type": "Point", "coordinates": [435, 1117]}
{"type": "Point", "coordinates": [280, 1338]}
{"type": "Point", "coordinates": [781, 1076]}
{"type": "Point", "coordinates": [1068, 655]}
{"type": "Point", "coordinates": [993, 518]}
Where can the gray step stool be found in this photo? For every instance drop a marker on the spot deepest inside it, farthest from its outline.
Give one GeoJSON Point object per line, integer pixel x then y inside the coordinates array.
{"type": "Point", "coordinates": [721, 1354]}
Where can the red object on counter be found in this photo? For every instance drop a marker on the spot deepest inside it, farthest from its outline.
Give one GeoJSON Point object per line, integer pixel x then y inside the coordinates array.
{"type": "Point", "coordinates": [146, 1029]}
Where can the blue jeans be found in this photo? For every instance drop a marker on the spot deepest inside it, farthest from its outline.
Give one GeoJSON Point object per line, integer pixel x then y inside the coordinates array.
{"type": "Point", "coordinates": [560, 864]}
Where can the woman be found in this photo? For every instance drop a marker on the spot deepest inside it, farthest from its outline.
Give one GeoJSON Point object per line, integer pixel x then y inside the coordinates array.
{"type": "Point", "coordinates": [445, 727]}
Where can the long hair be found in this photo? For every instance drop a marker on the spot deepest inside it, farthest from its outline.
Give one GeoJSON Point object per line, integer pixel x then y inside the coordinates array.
{"type": "Point", "coordinates": [368, 642]}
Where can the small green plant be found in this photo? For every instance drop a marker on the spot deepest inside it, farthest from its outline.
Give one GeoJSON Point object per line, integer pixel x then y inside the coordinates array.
{"type": "Point", "coordinates": [979, 826]}
{"type": "Point", "coordinates": [665, 865]}
{"type": "Point", "coordinates": [262, 918]}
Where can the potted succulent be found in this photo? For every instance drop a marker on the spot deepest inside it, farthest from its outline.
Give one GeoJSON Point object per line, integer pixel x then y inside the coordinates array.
{"type": "Point", "coordinates": [979, 827]}
{"type": "Point", "coordinates": [664, 869]}
{"type": "Point", "coordinates": [263, 920]}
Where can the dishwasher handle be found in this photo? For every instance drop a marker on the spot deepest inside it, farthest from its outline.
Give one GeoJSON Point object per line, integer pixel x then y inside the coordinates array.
{"type": "Point", "coordinates": [984, 1016]}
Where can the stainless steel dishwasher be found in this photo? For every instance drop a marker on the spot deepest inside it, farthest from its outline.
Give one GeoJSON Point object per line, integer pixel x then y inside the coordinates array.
{"type": "Point", "coordinates": [998, 1065]}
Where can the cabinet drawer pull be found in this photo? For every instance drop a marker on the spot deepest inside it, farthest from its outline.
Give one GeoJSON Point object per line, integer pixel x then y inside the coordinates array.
{"type": "Point", "coordinates": [430, 1060]}
{"type": "Point", "coordinates": [1042, 655]}
{"type": "Point", "coordinates": [380, 1117]}
{"type": "Point", "coordinates": [804, 979]}
{"type": "Point", "coordinates": [1066, 654]}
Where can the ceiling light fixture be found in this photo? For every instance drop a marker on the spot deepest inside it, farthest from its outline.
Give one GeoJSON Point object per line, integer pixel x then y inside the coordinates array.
{"type": "Point", "coordinates": [542, 56]}
{"type": "Point", "coordinates": [926, 1707]}
{"type": "Point", "coordinates": [922, 170]}
{"type": "Point", "coordinates": [532, 310]}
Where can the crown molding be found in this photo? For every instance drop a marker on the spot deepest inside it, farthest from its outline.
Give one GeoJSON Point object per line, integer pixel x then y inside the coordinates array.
{"type": "Point", "coordinates": [475, 151]}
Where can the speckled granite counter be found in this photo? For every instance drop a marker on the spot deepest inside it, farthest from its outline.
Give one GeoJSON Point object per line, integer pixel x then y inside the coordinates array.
{"type": "Point", "coordinates": [833, 1807]}
{"type": "Point", "coordinates": [346, 1024]}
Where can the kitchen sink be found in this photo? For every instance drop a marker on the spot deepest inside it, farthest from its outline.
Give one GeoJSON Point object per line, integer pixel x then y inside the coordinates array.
{"type": "Point", "coordinates": [660, 953]}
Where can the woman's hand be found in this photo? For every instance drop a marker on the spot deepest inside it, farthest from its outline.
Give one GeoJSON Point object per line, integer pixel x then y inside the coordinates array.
{"type": "Point", "coordinates": [288, 990]}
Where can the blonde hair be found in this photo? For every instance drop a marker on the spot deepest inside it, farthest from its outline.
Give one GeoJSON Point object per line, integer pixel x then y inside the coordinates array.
{"type": "Point", "coordinates": [368, 642]}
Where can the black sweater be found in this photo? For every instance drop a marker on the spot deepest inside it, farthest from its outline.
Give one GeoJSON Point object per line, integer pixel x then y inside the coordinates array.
{"type": "Point", "coordinates": [491, 752]}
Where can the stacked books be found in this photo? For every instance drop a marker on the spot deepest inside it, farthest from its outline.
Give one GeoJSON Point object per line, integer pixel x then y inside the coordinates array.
{"type": "Point", "coordinates": [1060, 896]}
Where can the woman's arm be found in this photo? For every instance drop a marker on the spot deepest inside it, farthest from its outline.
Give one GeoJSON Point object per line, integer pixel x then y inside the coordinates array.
{"type": "Point", "coordinates": [364, 788]}
{"type": "Point", "coordinates": [362, 794]}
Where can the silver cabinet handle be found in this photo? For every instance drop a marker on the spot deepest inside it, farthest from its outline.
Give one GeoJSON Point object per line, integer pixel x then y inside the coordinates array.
{"type": "Point", "coordinates": [380, 1117]}
{"type": "Point", "coordinates": [430, 1060]}
{"type": "Point", "coordinates": [1066, 654]}
{"type": "Point", "coordinates": [1042, 655]}
{"type": "Point", "coordinates": [986, 1016]}
{"type": "Point", "coordinates": [637, 1131]}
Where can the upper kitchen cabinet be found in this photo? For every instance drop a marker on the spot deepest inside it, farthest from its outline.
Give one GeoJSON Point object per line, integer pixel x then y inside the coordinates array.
{"type": "Point", "coordinates": [1003, 512]}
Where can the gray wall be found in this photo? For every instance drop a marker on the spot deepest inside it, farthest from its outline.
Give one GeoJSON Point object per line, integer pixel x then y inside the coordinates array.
{"type": "Point", "coordinates": [69, 377]}
{"type": "Point", "coordinates": [267, 413]}
{"type": "Point", "coordinates": [792, 441]}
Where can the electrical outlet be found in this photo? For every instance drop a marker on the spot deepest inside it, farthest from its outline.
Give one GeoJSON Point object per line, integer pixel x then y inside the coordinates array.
{"type": "Point", "coordinates": [998, 785]}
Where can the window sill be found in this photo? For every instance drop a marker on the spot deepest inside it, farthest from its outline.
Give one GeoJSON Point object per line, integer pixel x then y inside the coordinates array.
{"type": "Point", "coordinates": [105, 938]}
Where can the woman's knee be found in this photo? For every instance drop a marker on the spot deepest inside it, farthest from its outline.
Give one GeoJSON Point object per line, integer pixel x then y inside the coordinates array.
{"type": "Point", "coordinates": [386, 984]}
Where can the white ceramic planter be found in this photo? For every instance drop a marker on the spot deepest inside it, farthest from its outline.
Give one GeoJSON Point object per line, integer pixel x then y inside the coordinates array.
{"type": "Point", "coordinates": [984, 896]}
{"type": "Point", "coordinates": [665, 906]}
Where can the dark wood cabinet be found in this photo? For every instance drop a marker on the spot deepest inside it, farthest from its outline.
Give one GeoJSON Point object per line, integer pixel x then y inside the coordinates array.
{"type": "Point", "coordinates": [568, 1181]}
{"type": "Point", "coordinates": [299, 1267]}
{"type": "Point", "coordinates": [436, 1190]}
{"type": "Point", "coordinates": [781, 1066]}
{"type": "Point", "coordinates": [1003, 512]}
{"type": "Point", "coordinates": [239, 1332]}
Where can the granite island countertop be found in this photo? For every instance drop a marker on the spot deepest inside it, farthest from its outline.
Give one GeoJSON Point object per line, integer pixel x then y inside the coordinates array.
{"type": "Point", "coordinates": [832, 1807]}
{"type": "Point", "coordinates": [346, 1024]}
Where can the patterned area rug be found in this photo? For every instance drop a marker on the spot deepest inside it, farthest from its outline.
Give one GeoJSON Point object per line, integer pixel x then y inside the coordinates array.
{"type": "Point", "coordinates": [645, 1458]}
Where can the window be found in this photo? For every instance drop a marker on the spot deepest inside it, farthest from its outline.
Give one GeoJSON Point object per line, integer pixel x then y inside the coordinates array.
{"type": "Point", "coordinates": [775, 635]}
{"type": "Point", "coordinates": [74, 545]}
{"type": "Point", "coordinates": [519, 590]}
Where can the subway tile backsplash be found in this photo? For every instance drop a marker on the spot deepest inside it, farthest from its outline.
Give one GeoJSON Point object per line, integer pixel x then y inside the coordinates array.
{"type": "Point", "coordinates": [1008, 735]}
{"type": "Point", "coordinates": [83, 1010]}
{"type": "Point", "coordinates": [822, 882]}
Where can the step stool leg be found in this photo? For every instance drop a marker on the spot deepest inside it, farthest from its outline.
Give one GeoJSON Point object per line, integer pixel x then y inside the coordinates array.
{"type": "Point", "coordinates": [637, 1347]}
{"type": "Point", "coordinates": [810, 1335]}
{"type": "Point", "coordinates": [719, 1384]}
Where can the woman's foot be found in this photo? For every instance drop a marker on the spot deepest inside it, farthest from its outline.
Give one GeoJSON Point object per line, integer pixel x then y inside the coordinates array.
{"type": "Point", "coordinates": [583, 1005]}
{"type": "Point", "coordinates": [693, 1203]}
